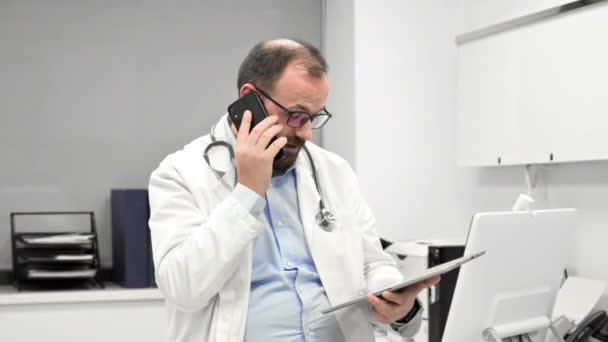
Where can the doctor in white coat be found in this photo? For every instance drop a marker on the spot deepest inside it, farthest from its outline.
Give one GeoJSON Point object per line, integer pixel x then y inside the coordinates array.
{"type": "Point", "coordinates": [239, 255]}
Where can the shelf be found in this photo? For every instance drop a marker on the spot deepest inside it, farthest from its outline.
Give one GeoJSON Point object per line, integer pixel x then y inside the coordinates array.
{"type": "Point", "coordinates": [112, 293]}
{"type": "Point", "coordinates": [38, 274]}
{"type": "Point", "coordinates": [56, 259]}
{"type": "Point", "coordinates": [35, 239]}
{"type": "Point", "coordinates": [54, 240]}
{"type": "Point", "coordinates": [84, 246]}
{"type": "Point", "coordinates": [50, 259]}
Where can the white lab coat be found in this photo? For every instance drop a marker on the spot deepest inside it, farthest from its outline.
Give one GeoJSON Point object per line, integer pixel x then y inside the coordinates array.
{"type": "Point", "coordinates": [201, 238]}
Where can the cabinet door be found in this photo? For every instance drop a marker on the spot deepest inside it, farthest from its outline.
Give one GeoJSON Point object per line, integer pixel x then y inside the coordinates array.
{"type": "Point", "coordinates": [536, 93]}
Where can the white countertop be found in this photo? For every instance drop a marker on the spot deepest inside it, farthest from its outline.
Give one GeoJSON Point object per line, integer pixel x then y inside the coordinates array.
{"type": "Point", "coordinates": [112, 293]}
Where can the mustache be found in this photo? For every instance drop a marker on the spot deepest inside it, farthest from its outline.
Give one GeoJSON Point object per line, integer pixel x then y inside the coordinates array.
{"type": "Point", "coordinates": [295, 141]}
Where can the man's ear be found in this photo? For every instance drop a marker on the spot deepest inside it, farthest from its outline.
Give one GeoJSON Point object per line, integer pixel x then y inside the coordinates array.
{"type": "Point", "coordinates": [245, 89]}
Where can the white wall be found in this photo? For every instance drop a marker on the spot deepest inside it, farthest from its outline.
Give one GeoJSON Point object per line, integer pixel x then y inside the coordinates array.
{"type": "Point", "coordinates": [93, 94]}
{"type": "Point", "coordinates": [405, 129]}
{"type": "Point", "coordinates": [404, 75]}
{"type": "Point", "coordinates": [338, 45]}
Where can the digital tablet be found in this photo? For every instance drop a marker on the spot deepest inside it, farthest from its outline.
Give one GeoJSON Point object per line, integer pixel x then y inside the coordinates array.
{"type": "Point", "coordinates": [427, 274]}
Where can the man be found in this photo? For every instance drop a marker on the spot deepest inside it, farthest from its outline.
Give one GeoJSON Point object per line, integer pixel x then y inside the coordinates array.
{"type": "Point", "coordinates": [249, 262]}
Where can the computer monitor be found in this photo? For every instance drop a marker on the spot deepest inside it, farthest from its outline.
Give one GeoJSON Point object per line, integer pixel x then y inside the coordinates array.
{"type": "Point", "coordinates": [512, 289]}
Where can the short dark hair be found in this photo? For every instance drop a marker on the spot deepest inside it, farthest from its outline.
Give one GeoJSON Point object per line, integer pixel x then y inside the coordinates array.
{"type": "Point", "coordinates": [268, 59]}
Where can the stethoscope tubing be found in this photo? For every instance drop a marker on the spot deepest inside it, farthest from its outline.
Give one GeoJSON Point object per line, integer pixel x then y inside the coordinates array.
{"type": "Point", "coordinates": [324, 218]}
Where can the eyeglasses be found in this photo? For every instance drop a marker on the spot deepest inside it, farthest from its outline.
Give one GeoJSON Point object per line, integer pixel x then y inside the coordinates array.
{"type": "Point", "coordinates": [297, 119]}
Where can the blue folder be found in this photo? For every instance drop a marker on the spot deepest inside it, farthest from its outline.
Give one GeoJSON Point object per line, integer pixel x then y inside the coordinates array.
{"type": "Point", "coordinates": [131, 250]}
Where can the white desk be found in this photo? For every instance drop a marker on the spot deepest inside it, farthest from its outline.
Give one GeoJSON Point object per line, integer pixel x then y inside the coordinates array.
{"type": "Point", "coordinates": [111, 314]}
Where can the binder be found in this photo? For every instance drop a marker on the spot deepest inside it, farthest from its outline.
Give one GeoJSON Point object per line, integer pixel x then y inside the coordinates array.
{"type": "Point", "coordinates": [131, 249]}
{"type": "Point", "coordinates": [151, 269]}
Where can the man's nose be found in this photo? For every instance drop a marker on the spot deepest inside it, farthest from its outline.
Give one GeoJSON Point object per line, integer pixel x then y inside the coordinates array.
{"type": "Point", "coordinates": [304, 132]}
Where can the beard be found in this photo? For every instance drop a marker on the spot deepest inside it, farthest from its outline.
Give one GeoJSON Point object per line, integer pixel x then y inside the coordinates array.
{"type": "Point", "coordinates": [292, 150]}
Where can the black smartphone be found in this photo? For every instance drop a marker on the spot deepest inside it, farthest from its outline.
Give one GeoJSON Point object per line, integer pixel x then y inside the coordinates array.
{"type": "Point", "coordinates": [252, 102]}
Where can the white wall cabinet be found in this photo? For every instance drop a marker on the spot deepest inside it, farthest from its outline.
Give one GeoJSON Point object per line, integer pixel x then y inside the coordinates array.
{"type": "Point", "coordinates": [536, 93]}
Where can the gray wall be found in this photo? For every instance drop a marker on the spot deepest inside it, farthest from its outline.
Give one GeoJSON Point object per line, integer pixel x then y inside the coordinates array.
{"type": "Point", "coordinates": [339, 48]}
{"type": "Point", "coordinates": [93, 94]}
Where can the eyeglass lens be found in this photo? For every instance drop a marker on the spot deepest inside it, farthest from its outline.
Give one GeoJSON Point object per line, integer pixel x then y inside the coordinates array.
{"type": "Point", "coordinates": [299, 119]}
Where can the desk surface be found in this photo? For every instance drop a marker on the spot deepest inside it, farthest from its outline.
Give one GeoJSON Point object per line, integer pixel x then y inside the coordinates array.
{"type": "Point", "coordinates": [112, 293]}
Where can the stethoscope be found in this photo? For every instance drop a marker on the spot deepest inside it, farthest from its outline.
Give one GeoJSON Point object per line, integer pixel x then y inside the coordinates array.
{"type": "Point", "coordinates": [324, 218]}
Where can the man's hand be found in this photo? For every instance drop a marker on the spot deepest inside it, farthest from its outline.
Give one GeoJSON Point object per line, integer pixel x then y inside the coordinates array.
{"type": "Point", "coordinates": [394, 306]}
{"type": "Point", "coordinates": [253, 156]}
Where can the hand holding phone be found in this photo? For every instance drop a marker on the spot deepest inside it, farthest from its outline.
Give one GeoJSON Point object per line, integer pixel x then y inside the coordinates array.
{"type": "Point", "coordinates": [256, 148]}
{"type": "Point", "coordinates": [252, 102]}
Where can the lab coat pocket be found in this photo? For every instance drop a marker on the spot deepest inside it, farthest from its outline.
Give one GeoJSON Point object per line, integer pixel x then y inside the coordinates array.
{"type": "Point", "coordinates": [349, 251]}
{"type": "Point", "coordinates": [332, 242]}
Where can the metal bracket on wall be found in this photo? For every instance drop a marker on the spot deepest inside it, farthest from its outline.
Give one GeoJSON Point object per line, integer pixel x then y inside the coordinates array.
{"type": "Point", "coordinates": [524, 20]}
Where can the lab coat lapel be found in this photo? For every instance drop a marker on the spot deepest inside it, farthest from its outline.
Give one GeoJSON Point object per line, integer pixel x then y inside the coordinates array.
{"type": "Point", "coordinates": [324, 246]}
{"type": "Point", "coordinates": [308, 200]}
{"type": "Point", "coordinates": [222, 132]}
{"type": "Point", "coordinates": [220, 189]}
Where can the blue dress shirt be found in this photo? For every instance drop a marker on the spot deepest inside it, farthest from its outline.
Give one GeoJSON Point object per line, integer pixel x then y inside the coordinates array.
{"type": "Point", "coordinates": [286, 291]}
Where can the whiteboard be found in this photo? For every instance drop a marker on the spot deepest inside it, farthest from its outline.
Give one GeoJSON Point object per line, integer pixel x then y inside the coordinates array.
{"type": "Point", "coordinates": [537, 93]}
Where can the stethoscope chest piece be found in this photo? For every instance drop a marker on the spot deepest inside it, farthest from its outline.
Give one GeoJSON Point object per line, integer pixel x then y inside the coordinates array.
{"type": "Point", "coordinates": [325, 220]}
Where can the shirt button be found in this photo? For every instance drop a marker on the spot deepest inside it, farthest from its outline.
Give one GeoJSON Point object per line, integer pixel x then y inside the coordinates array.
{"type": "Point", "coordinates": [280, 224]}
{"type": "Point", "coordinates": [225, 317]}
{"type": "Point", "coordinates": [288, 264]}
